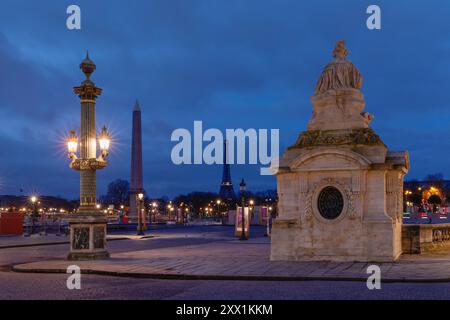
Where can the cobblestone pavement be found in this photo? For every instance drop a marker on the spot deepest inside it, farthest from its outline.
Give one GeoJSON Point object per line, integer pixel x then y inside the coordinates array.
{"type": "Point", "coordinates": [220, 256]}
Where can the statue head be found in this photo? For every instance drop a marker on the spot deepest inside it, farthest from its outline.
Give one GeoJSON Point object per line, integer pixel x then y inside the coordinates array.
{"type": "Point", "coordinates": [340, 51]}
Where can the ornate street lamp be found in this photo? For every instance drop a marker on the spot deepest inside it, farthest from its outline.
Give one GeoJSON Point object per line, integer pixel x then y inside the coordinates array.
{"type": "Point", "coordinates": [88, 225]}
{"type": "Point", "coordinates": [154, 211]}
{"type": "Point", "coordinates": [242, 186]}
{"type": "Point", "coordinates": [34, 214]}
{"type": "Point", "coordinates": [140, 200]}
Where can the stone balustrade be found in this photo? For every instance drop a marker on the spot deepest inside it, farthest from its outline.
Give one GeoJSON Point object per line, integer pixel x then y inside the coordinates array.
{"type": "Point", "coordinates": [420, 238]}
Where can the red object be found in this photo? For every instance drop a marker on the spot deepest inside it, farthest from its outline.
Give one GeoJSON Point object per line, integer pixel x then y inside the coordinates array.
{"type": "Point", "coordinates": [124, 219]}
{"type": "Point", "coordinates": [11, 223]}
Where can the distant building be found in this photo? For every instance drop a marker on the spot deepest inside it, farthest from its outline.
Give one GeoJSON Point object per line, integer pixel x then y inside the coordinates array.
{"type": "Point", "coordinates": [416, 191]}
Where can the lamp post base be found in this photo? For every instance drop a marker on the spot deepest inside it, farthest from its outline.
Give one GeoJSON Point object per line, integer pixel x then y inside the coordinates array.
{"type": "Point", "coordinates": [88, 237]}
{"type": "Point", "coordinates": [88, 256]}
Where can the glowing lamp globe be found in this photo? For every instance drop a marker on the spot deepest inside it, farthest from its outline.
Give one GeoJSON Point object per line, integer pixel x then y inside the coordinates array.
{"type": "Point", "coordinates": [104, 139]}
{"type": "Point", "coordinates": [72, 142]}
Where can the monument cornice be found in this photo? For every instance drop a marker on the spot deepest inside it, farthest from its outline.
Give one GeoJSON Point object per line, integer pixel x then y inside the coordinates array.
{"type": "Point", "coordinates": [352, 137]}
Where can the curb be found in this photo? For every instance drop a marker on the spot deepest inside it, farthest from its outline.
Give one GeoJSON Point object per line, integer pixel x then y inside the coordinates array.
{"type": "Point", "coordinates": [166, 276]}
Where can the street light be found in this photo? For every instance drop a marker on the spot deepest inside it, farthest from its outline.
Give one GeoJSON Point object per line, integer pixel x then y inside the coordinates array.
{"type": "Point", "coordinates": [104, 141]}
{"type": "Point", "coordinates": [140, 228]}
{"type": "Point", "coordinates": [88, 226]}
{"type": "Point", "coordinates": [242, 186]}
{"type": "Point", "coordinates": [154, 211]}
{"type": "Point", "coordinates": [269, 215]}
{"type": "Point", "coordinates": [34, 214]}
{"type": "Point", "coordinates": [72, 143]}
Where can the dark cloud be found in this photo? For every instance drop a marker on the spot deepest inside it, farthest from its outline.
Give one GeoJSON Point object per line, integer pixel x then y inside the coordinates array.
{"type": "Point", "coordinates": [231, 64]}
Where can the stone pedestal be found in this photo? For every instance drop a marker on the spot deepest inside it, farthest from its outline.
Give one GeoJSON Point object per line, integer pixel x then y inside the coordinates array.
{"type": "Point", "coordinates": [88, 237]}
{"type": "Point", "coordinates": [340, 189]}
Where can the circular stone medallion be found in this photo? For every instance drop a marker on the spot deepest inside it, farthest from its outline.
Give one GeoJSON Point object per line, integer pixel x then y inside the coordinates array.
{"type": "Point", "coordinates": [330, 203]}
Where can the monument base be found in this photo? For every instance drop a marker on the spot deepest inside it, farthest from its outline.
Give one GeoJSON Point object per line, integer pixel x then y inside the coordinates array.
{"type": "Point", "coordinates": [365, 241]}
{"type": "Point", "coordinates": [88, 256]}
{"type": "Point", "coordinates": [88, 237]}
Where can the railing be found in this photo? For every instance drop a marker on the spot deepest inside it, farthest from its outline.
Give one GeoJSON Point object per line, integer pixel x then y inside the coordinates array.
{"type": "Point", "coordinates": [441, 234]}
{"type": "Point", "coordinates": [420, 238]}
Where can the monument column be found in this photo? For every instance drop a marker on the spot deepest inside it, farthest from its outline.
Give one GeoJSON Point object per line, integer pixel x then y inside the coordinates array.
{"type": "Point", "coordinates": [136, 184]}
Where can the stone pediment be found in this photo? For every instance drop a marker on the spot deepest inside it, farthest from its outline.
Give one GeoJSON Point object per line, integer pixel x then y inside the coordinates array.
{"type": "Point", "coordinates": [329, 159]}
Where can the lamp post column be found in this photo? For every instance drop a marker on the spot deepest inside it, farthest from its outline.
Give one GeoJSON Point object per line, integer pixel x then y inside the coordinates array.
{"type": "Point", "coordinates": [88, 226]}
{"type": "Point", "coordinates": [34, 214]}
{"type": "Point", "coordinates": [43, 223]}
{"type": "Point", "coordinates": [140, 226]}
{"type": "Point", "coordinates": [242, 186]}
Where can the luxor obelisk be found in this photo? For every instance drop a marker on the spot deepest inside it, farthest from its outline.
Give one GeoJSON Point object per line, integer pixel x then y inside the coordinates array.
{"type": "Point", "coordinates": [136, 185]}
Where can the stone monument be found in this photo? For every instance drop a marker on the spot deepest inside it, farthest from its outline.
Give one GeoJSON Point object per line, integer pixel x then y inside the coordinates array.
{"type": "Point", "coordinates": [340, 189]}
{"type": "Point", "coordinates": [136, 185]}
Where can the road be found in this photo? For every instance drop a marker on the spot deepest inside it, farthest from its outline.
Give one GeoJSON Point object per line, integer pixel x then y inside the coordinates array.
{"type": "Point", "coordinates": [53, 286]}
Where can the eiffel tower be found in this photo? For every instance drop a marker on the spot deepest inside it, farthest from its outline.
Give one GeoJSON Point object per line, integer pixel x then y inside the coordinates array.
{"type": "Point", "coordinates": [226, 187]}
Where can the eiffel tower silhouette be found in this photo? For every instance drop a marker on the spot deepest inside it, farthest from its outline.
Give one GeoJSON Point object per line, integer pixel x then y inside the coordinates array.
{"type": "Point", "coordinates": [226, 186]}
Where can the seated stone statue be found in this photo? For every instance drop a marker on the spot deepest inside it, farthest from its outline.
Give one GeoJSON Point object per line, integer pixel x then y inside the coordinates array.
{"type": "Point", "coordinates": [338, 103]}
{"type": "Point", "coordinates": [340, 73]}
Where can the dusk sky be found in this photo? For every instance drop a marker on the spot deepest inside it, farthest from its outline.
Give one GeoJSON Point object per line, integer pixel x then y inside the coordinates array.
{"type": "Point", "coordinates": [232, 64]}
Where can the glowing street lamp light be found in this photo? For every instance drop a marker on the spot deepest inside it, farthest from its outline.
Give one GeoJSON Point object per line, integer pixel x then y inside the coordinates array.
{"type": "Point", "coordinates": [72, 143]}
{"type": "Point", "coordinates": [104, 141]}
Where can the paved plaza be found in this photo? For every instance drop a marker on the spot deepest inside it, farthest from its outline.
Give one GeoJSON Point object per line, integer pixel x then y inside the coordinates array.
{"type": "Point", "coordinates": [204, 262]}
{"type": "Point", "coordinates": [208, 253]}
